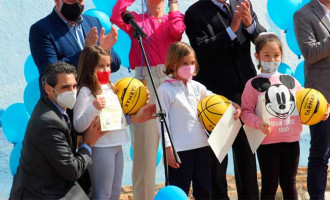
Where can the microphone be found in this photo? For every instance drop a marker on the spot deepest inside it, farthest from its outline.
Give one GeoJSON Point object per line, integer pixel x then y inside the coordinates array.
{"type": "Point", "coordinates": [129, 19]}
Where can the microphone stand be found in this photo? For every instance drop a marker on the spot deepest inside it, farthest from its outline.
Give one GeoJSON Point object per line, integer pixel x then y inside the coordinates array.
{"type": "Point", "coordinates": [161, 114]}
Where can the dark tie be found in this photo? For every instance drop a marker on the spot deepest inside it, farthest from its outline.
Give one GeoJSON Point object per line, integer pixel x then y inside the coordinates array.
{"type": "Point", "coordinates": [67, 119]}
{"type": "Point", "coordinates": [226, 6]}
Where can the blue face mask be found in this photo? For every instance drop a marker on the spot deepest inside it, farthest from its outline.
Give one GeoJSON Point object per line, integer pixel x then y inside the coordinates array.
{"type": "Point", "coordinates": [269, 66]}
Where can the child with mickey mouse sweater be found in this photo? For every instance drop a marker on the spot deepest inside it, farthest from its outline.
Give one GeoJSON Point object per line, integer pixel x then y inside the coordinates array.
{"type": "Point", "coordinates": [268, 104]}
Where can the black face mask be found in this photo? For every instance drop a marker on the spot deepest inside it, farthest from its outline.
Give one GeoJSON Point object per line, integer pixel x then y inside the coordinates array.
{"type": "Point", "coordinates": [72, 11]}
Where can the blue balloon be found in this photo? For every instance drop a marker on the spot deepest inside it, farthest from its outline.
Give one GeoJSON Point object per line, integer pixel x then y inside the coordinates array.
{"type": "Point", "coordinates": [102, 17]}
{"type": "Point", "coordinates": [31, 95]}
{"type": "Point", "coordinates": [14, 122]}
{"type": "Point", "coordinates": [30, 69]}
{"type": "Point", "coordinates": [292, 42]}
{"type": "Point", "coordinates": [281, 12]}
{"type": "Point", "coordinates": [285, 69]}
{"type": "Point", "coordinates": [15, 155]}
{"type": "Point", "coordinates": [122, 47]}
{"type": "Point", "coordinates": [159, 154]}
{"type": "Point", "coordinates": [105, 5]}
{"type": "Point", "coordinates": [171, 192]}
{"type": "Point", "coordinates": [299, 73]}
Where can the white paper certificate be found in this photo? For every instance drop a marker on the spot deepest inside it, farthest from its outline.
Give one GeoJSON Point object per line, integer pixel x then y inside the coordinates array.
{"type": "Point", "coordinates": [224, 133]}
{"type": "Point", "coordinates": [112, 116]}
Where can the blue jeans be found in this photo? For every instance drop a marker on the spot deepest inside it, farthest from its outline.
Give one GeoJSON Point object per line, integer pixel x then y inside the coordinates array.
{"type": "Point", "coordinates": [318, 159]}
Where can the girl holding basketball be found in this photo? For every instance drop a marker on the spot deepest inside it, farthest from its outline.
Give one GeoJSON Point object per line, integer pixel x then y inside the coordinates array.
{"type": "Point", "coordinates": [268, 104]}
{"type": "Point", "coordinates": [179, 96]}
{"type": "Point", "coordinates": [96, 92]}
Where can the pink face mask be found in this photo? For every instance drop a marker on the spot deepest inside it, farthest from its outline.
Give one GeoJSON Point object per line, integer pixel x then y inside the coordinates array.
{"type": "Point", "coordinates": [186, 71]}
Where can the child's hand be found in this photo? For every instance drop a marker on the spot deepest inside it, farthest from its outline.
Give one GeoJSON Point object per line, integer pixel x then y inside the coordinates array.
{"type": "Point", "coordinates": [326, 116]}
{"type": "Point", "coordinates": [99, 103]}
{"type": "Point", "coordinates": [238, 111]}
{"type": "Point", "coordinates": [264, 127]}
{"type": "Point", "coordinates": [171, 159]}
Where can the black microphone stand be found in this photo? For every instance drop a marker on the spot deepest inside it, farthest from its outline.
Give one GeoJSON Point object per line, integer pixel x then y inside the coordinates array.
{"type": "Point", "coordinates": [161, 114]}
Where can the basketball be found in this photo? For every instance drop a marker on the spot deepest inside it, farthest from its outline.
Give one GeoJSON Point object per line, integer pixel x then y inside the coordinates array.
{"type": "Point", "coordinates": [132, 94]}
{"type": "Point", "coordinates": [311, 106]}
{"type": "Point", "coordinates": [211, 109]}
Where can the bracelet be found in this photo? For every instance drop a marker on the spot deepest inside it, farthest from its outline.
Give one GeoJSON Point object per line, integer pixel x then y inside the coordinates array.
{"type": "Point", "coordinates": [172, 1]}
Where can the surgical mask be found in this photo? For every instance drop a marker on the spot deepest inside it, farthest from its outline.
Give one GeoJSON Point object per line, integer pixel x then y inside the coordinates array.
{"type": "Point", "coordinates": [269, 66]}
{"type": "Point", "coordinates": [103, 77]}
{"type": "Point", "coordinates": [66, 99]}
{"type": "Point", "coordinates": [72, 11]}
{"type": "Point", "coordinates": [186, 71]}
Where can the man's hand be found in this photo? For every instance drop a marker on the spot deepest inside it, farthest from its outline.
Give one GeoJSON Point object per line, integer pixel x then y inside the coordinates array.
{"type": "Point", "coordinates": [236, 21]}
{"type": "Point", "coordinates": [91, 38]}
{"type": "Point", "coordinates": [93, 133]}
{"type": "Point", "coordinates": [107, 41]}
{"type": "Point", "coordinates": [144, 114]}
{"type": "Point", "coordinates": [245, 13]}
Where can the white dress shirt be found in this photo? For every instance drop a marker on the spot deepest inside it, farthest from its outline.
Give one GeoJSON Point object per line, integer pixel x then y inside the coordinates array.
{"type": "Point", "coordinates": [326, 10]}
{"type": "Point", "coordinates": [180, 104]}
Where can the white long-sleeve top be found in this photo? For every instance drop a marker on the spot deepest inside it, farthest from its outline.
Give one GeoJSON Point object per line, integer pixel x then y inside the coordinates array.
{"type": "Point", "coordinates": [84, 112]}
{"type": "Point", "coordinates": [180, 104]}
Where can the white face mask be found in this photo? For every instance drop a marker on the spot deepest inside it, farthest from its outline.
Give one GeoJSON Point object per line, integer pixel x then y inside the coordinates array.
{"type": "Point", "coordinates": [66, 99]}
{"type": "Point", "coordinates": [269, 66]}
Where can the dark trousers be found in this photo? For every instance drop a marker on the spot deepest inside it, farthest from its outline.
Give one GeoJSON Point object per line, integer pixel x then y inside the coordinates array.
{"type": "Point", "coordinates": [195, 168]}
{"type": "Point", "coordinates": [245, 171]}
{"type": "Point", "coordinates": [318, 159]}
{"type": "Point", "coordinates": [278, 164]}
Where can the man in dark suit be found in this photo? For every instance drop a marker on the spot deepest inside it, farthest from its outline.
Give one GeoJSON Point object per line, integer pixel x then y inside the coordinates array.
{"type": "Point", "coordinates": [63, 34]}
{"type": "Point", "coordinates": [49, 164]}
{"type": "Point", "coordinates": [312, 28]}
{"type": "Point", "coordinates": [221, 33]}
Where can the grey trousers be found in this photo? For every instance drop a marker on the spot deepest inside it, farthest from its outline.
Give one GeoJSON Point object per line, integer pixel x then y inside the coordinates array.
{"type": "Point", "coordinates": [107, 172]}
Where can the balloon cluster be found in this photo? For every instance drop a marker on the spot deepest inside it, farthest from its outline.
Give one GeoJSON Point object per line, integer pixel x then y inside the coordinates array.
{"type": "Point", "coordinates": [281, 12]}
{"type": "Point", "coordinates": [17, 115]}
{"type": "Point", "coordinates": [103, 12]}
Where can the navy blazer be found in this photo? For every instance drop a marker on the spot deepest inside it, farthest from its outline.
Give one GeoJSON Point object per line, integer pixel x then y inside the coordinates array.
{"type": "Point", "coordinates": [51, 41]}
{"type": "Point", "coordinates": [225, 65]}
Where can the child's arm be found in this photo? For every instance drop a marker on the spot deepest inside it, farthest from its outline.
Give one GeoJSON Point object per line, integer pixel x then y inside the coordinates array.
{"type": "Point", "coordinates": [83, 112]}
{"type": "Point", "coordinates": [249, 102]}
{"type": "Point", "coordinates": [165, 102]}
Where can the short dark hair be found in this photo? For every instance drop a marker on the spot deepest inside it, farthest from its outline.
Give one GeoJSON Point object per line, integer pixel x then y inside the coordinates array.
{"type": "Point", "coordinates": [52, 70]}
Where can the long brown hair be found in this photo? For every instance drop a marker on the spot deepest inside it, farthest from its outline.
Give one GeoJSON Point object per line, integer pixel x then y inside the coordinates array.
{"type": "Point", "coordinates": [88, 61]}
{"type": "Point", "coordinates": [175, 54]}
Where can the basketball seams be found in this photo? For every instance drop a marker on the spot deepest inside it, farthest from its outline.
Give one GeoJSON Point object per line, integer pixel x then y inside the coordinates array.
{"type": "Point", "coordinates": [137, 100]}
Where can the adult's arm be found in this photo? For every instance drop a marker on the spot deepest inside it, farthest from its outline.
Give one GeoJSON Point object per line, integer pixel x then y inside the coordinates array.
{"type": "Point", "coordinates": [197, 32]}
{"type": "Point", "coordinates": [53, 144]}
{"type": "Point", "coordinates": [115, 64]}
{"type": "Point", "coordinates": [116, 19]}
{"type": "Point", "coordinates": [43, 50]}
{"type": "Point", "coordinates": [176, 24]}
{"type": "Point", "coordinates": [259, 28]}
{"type": "Point", "coordinates": [312, 50]}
